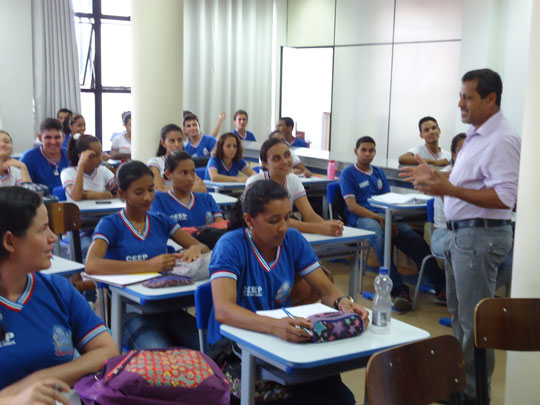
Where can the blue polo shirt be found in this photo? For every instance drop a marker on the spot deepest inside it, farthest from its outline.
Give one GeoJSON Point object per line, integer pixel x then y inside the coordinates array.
{"type": "Point", "coordinates": [361, 185]}
{"type": "Point", "coordinates": [44, 326]}
{"type": "Point", "coordinates": [42, 170]}
{"type": "Point", "coordinates": [126, 243]}
{"type": "Point", "coordinates": [259, 285]}
{"type": "Point", "coordinates": [204, 148]}
{"type": "Point", "coordinates": [249, 136]}
{"type": "Point", "coordinates": [219, 165]}
{"type": "Point", "coordinates": [201, 209]}
{"type": "Point", "coordinates": [298, 143]}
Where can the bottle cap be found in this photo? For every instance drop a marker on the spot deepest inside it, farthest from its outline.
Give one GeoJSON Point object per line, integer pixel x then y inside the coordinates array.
{"type": "Point", "coordinates": [384, 271]}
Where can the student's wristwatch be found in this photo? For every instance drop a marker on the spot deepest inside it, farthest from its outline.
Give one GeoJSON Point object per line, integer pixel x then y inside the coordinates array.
{"type": "Point", "coordinates": [338, 300]}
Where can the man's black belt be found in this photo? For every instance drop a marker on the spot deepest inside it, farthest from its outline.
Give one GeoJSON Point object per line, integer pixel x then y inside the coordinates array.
{"type": "Point", "coordinates": [477, 223]}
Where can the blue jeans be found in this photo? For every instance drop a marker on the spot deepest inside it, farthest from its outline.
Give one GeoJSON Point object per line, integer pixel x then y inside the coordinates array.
{"type": "Point", "coordinates": [412, 244]}
{"type": "Point", "coordinates": [153, 331]}
{"type": "Point", "coordinates": [473, 256]}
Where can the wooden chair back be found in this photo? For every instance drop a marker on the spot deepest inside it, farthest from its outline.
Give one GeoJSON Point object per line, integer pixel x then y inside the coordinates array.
{"type": "Point", "coordinates": [417, 373]}
{"type": "Point", "coordinates": [66, 217]}
{"type": "Point", "coordinates": [507, 324]}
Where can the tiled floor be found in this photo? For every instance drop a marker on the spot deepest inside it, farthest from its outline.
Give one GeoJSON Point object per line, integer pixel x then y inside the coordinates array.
{"type": "Point", "coordinates": [426, 317]}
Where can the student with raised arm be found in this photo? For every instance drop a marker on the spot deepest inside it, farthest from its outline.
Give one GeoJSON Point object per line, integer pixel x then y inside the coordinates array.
{"type": "Point", "coordinates": [46, 161]}
{"type": "Point", "coordinates": [240, 122]}
{"type": "Point", "coordinates": [358, 183]}
{"type": "Point", "coordinates": [13, 172]}
{"type": "Point", "coordinates": [226, 163]}
{"type": "Point", "coordinates": [44, 320]}
{"type": "Point", "coordinates": [86, 178]}
{"type": "Point", "coordinates": [170, 142]}
{"type": "Point", "coordinates": [135, 241]}
{"type": "Point", "coordinates": [253, 268]}
{"type": "Point", "coordinates": [121, 144]}
{"type": "Point", "coordinates": [277, 163]}
{"type": "Point", "coordinates": [197, 143]}
{"type": "Point", "coordinates": [430, 151]}
{"type": "Point", "coordinates": [286, 125]}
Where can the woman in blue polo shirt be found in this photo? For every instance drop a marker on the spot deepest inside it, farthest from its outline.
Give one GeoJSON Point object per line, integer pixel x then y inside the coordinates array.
{"type": "Point", "coordinates": [253, 268]}
{"type": "Point", "coordinates": [226, 162]}
{"type": "Point", "coordinates": [135, 241]}
{"type": "Point", "coordinates": [43, 319]}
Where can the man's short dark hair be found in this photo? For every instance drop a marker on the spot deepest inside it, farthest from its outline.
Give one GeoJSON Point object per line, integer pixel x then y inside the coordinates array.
{"type": "Point", "coordinates": [488, 81]}
{"type": "Point", "coordinates": [425, 119]}
{"type": "Point", "coordinates": [288, 121]}
{"type": "Point", "coordinates": [64, 110]}
{"type": "Point", "coordinates": [365, 139]}
{"type": "Point", "coordinates": [190, 117]}
{"type": "Point", "coordinates": [50, 123]}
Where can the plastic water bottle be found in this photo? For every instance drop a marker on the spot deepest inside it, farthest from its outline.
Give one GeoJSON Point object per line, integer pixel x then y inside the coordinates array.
{"type": "Point", "coordinates": [382, 303]}
{"type": "Point", "coordinates": [331, 172]}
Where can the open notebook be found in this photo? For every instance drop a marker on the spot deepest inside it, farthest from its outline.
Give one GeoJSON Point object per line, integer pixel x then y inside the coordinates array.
{"type": "Point", "coordinates": [302, 311]}
{"type": "Point", "coordinates": [121, 280]}
{"type": "Point", "coordinates": [395, 198]}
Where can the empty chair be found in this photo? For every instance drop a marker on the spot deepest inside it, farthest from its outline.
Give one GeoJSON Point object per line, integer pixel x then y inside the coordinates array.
{"type": "Point", "coordinates": [203, 307]}
{"type": "Point", "coordinates": [417, 373]}
{"type": "Point", "coordinates": [503, 324]}
{"type": "Point", "coordinates": [66, 217]}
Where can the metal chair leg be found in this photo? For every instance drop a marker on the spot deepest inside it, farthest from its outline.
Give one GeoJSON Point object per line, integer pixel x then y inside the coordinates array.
{"type": "Point", "coordinates": [419, 282]}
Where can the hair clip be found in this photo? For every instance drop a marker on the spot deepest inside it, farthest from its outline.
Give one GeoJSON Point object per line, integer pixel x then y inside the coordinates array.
{"type": "Point", "coordinates": [77, 136]}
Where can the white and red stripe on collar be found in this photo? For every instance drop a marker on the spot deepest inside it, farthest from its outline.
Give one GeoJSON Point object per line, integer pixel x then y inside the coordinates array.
{"type": "Point", "coordinates": [25, 296]}
{"type": "Point", "coordinates": [146, 230]}
{"type": "Point", "coordinates": [188, 205]}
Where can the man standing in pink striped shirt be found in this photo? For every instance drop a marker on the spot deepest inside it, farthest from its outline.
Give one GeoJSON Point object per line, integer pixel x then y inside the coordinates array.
{"type": "Point", "coordinates": [479, 196]}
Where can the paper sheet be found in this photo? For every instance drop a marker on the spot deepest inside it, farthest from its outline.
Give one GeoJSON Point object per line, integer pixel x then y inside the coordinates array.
{"type": "Point", "coordinates": [302, 311]}
{"type": "Point", "coordinates": [121, 280]}
{"type": "Point", "coordinates": [395, 198]}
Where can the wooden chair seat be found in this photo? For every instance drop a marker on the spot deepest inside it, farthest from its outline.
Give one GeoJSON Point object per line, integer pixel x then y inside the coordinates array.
{"type": "Point", "coordinates": [503, 324]}
{"type": "Point", "coordinates": [417, 373]}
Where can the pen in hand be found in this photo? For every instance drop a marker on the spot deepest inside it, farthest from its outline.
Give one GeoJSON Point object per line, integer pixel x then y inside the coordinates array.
{"type": "Point", "coordinates": [310, 333]}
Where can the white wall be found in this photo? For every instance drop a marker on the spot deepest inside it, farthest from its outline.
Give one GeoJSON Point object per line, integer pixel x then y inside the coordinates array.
{"type": "Point", "coordinates": [395, 62]}
{"type": "Point", "coordinates": [16, 73]}
{"type": "Point", "coordinates": [499, 40]}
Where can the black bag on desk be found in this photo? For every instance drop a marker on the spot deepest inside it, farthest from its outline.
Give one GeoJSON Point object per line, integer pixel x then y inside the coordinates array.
{"type": "Point", "coordinates": [209, 236]}
{"type": "Point", "coordinates": [42, 190]}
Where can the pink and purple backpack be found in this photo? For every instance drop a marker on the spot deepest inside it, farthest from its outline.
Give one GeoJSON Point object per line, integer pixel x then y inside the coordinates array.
{"type": "Point", "coordinates": [156, 377]}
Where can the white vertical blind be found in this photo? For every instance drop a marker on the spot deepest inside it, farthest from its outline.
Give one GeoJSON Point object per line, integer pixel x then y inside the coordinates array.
{"type": "Point", "coordinates": [56, 68]}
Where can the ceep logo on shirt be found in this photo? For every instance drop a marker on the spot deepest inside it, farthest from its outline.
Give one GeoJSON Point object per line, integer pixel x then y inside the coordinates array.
{"type": "Point", "coordinates": [252, 291]}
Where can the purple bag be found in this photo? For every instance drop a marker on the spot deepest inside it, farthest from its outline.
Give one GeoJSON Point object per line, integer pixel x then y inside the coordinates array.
{"type": "Point", "coordinates": [167, 280]}
{"type": "Point", "coordinates": [330, 326]}
{"type": "Point", "coordinates": [156, 377]}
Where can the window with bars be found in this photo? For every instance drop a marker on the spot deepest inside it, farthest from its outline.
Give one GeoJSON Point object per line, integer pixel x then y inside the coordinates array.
{"type": "Point", "coordinates": [103, 32]}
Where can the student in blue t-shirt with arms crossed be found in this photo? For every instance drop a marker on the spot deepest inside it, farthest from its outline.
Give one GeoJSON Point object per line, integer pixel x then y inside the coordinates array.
{"type": "Point", "coordinates": [226, 163]}
{"type": "Point", "coordinates": [358, 183]}
{"type": "Point", "coordinates": [253, 268]}
{"type": "Point", "coordinates": [135, 241]}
